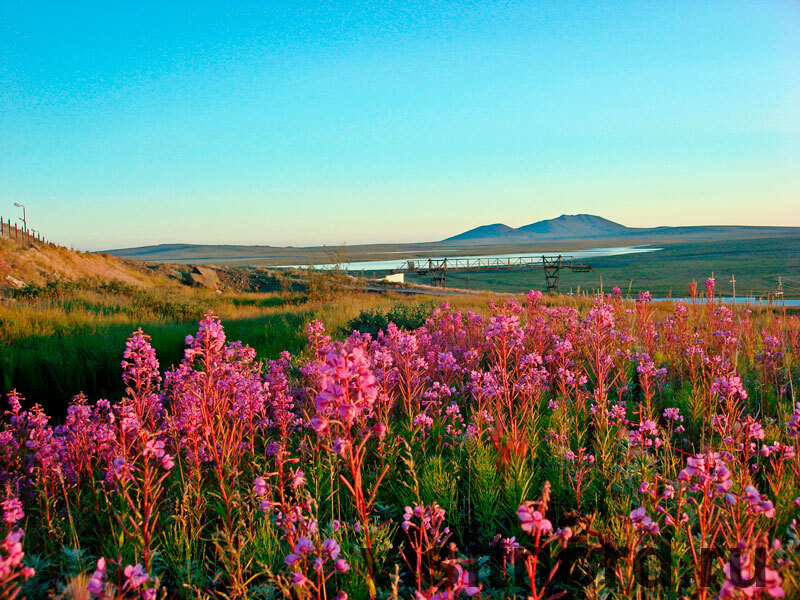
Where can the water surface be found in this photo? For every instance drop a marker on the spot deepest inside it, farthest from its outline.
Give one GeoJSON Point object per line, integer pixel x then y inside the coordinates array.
{"type": "Point", "coordinates": [577, 255]}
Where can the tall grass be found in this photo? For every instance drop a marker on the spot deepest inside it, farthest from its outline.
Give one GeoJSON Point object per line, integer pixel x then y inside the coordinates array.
{"type": "Point", "coordinates": [64, 338]}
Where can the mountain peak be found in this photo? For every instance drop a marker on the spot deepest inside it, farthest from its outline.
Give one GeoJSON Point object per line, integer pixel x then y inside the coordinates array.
{"type": "Point", "coordinates": [564, 226]}
{"type": "Point", "coordinates": [581, 225]}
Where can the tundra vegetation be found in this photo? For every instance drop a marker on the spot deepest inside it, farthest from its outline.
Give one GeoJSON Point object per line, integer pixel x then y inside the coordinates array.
{"type": "Point", "coordinates": [605, 449]}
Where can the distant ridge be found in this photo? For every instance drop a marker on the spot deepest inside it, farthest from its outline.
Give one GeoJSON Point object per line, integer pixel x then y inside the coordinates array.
{"type": "Point", "coordinates": [565, 226]}
{"type": "Point", "coordinates": [585, 226]}
{"type": "Point", "coordinates": [566, 230]}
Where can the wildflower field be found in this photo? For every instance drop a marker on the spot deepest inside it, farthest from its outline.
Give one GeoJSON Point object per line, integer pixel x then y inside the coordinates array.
{"type": "Point", "coordinates": [609, 450]}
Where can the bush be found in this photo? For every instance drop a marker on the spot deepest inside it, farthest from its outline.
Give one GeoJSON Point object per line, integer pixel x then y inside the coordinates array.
{"type": "Point", "coordinates": [405, 316]}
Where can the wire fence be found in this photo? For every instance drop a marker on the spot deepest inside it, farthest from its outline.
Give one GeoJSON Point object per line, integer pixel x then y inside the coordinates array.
{"type": "Point", "coordinates": [11, 231]}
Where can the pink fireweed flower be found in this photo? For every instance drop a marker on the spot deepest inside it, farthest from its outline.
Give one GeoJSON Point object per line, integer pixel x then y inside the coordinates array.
{"type": "Point", "coordinates": [793, 426]}
{"type": "Point", "coordinates": [320, 424]}
{"type": "Point", "coordinates": [341, 565]}
{"type": "Point", "coordinates": [317, 339]}
{"type": "Point", "coordinates": [505, 329]}
{"type": "Point", "coordinates": [729, 387]}
{"type": "Point", "coordinates": [119, 470]}
{"type": "Point", "coordinates": [140, 372]}
{"type": "Point", "coordinates": [260, 486]}
{"type": "Point", "coordinates": [12, 511]}
{"type": "Point", "coordinates": [96, 583]}
{"type": "Point", "coordinates": [154, 448]}
{"type": "Point", "coordinates": [707, 470]}
{"type": "Point", "coordinates": [340, 446]}
{"type": "Point", "coordinates": [757, 503]}
{"type": "Point", "coordinates": [642, 522]}
{"type": "Point", "coordinates": [741, 579]}
{"type": "Point", "coordinates": [534, 297]}
{"type": "Point", "coordinates": [11, 546]}
{"type": "Point", "coordinates": [291, 559]}
{"type": "Point", "coordinates": [331, 548]}
{"type": "Point", "coordinates": [304, 546]}
{"type": "Point", "coordinates": [564, 534]}
{"type": "Point", "coordinates": [423, 421]}
{"type": "Point", "coordinates": [348, 386]}
{"type": "Point", "coordinates": [710, 285]}
{"type": "Point", "coordinates": [509, 546]}
{"type": "Point", "coordinates": [532, 520]}
{"type": "Point", "coordinates": [135, 576]}
{"type": "Point", "coordinates": [465, 581]}
{"type": "Point", "coordinates": [669, 491]}
{"type": "Point", "coordinates": [298, 479]}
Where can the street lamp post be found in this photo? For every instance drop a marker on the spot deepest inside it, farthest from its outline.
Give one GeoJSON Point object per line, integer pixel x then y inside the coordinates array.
{"type": "Point", "coordinates": [24, 221]}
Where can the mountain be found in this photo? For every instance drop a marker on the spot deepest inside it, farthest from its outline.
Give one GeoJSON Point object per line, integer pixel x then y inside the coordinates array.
{"type": "Point", "coordinates": [565, 226]}
{"type": "Point", "coordinates": [484, 232]}
{"type": "Point", "coordinates": [575, 226]}
{"type": "Point", "coordinates": [584, 227]}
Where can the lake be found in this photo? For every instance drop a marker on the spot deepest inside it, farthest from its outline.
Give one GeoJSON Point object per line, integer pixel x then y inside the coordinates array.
{"type": "Point", "coordinates": [388, 265]}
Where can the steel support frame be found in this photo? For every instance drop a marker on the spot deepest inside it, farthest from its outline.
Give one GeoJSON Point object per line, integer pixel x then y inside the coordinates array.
{"type": "Point", "coordinates": [551, 270]}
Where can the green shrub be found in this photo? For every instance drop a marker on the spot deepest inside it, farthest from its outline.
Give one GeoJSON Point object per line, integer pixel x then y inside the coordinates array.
{"type": "Point", "coordinates": [405, 316]}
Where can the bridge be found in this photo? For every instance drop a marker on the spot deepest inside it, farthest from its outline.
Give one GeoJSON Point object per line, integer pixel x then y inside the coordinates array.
{"type": "Point", "coordinates": [437, 268]}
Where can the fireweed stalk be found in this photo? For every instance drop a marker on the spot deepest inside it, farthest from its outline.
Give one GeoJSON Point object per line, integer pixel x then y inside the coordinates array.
{"type": "Point", "coordinates": [436, 578]}
{"type": "Point", "coordinates": [138, 473]}
{"type": "Point", "coordinates": [343, 407]}
{"type": "Point", "coordinates": [532, 519]}
{"type": "Point", "coordinates": [12, 569]}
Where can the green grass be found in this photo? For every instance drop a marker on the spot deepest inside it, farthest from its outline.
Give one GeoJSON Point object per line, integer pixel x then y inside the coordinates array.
{"type": "Point", "coordinates": [59, 340]}
{"type": "Point", "coordinates": [51, 369]}
{"type": "Point", "coordinates": [756, 263]}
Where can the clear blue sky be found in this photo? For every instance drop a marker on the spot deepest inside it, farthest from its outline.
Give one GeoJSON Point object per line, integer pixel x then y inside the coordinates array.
{"type": "Point", "coordinates": [126, 124]}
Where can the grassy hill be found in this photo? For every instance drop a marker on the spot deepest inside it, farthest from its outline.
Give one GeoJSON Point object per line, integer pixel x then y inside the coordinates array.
{"type": "Point", "coordinates": [39, 264]}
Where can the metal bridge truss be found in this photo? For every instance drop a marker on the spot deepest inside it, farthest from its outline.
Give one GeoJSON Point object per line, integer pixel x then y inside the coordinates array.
{"type": "Point", "coordinates": [437, 268]}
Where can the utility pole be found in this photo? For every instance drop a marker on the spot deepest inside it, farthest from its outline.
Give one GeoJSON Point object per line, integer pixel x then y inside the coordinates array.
{"type": "Point", "coordinates": [24, 221]}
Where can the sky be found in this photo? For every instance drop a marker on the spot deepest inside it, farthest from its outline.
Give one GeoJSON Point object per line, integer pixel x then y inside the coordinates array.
{"type": "Point", "coordinates": [303, 123]}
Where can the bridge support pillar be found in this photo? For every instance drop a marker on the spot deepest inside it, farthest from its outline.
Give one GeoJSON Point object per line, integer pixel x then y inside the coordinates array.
{"type": "Point", "coordinates": [551, 269]}
{"type": "Point", "coordinates": [438, 273]}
